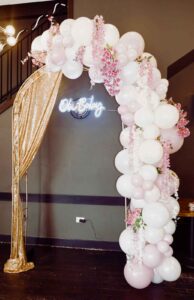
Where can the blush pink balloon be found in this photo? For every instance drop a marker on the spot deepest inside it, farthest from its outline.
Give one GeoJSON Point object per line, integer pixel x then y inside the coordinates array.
{"type": "Point", "coordinates": [168, 238]}
{"type": "Point", "coordinates": [127, 119]}
{"type": "Point", "coordinates": [169, 252]}
{"type": "Point", "coordinates": [138, 275]}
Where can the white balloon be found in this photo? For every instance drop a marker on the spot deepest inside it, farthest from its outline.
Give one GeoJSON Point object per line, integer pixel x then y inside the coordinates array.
{"type": "Point", "coordinates": [65, 27]}
{"type": "Point", "coordinates": [153, 235]}
{"type": "Point", "coordinates": [163, 246]}
{"type": "Point", "coordinates": [151, 132]}
{"type": "Point", "coordinates": [45, 39]}
{"type": "Point", "coordinates": [137, 203]}
{"type": "Point", "coordinates": [82, 30]}
{"type": "Point", "coordinates": [130, 72]}
{"type": "Point", "coordinates": [124, 186]}
{"type": "Point", "coordinates": [143, 117]}
{"type": "Point", "coordinates": [72, 69]}
{"type": "Point", "coordinates": [125, 137]}
{"type": "Point", "coordinates": [127, 241]}
{"type": "Point", "coordinates": [171, 135]}
{"type": "Point", "coordinates": [123, 162]}
{"type": "Point", "coordinates": [150, 151]}
{"type": "Point", "coordinates": [156, 77]}
{"type": "Point", "coordinates": [151, 58]}
{"type": "Point", "coordinates": [127, 94]}
{"type": "Point", "coordinates": [37, 44]}
{"type": "Point", "coordinates": [50, 67]}
{"type": "Point", "coordinates": [131, 53]}
{"type": "Point", "coordinates": [166, 116]}
{"type": "Point", "coordinates": [157, 278]}
{"type": "Point", "coordinates": [173, 207]}
{"type": "Point", "coordinates": [170, 269]}
{"type": "Point", "coordinates": [70, 52]}
{"type": "Point", "coordinates": [151, 256]}
{"type": "Point", "coordinates": [111, 34]}
{"type": "Point", "coordinates": [88, 57]}
{"type": "Point", "coordinates": [153, 194]}
{"type": "Point", "coordinates": [170, 227]}
{"type": "Point", "coordinates": [148, 172]}
{"type": "Point", "coordinates": [155, 215]}
{"type": "Point", "coordinates": [134, 40]}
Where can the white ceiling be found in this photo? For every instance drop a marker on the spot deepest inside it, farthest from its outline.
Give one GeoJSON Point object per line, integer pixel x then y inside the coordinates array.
{"type": "Point", "coordinates": [9, 2]}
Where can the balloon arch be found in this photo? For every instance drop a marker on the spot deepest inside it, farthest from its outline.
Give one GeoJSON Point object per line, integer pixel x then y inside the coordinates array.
{"type": "Point", "coordinates": [153, 128]}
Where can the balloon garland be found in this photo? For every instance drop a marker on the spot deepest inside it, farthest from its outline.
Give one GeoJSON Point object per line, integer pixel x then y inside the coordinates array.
{"type": "Point", "coordinates": [153, 128]}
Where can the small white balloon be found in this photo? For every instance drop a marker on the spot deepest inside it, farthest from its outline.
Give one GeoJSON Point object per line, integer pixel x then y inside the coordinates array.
{"type": "Point", "coordinates": [153, 194]}
{"type": "Point", "coordinates": [150, 57]}
{"type": "Point", "coordinates": [130, 72]}
{"type": "Point", "coordinates": [166, 116]}
{"type": "Point", "coordinates": [134, 40]}
{"type": "Point", "coordinates": [37, 44]}
{"type": "Point", "coordinates": [173, 207]}
{"type": "Point", "coordinates": [170, 227]}
{"type": "Point", "coordinates": [150, 151]}
{"type": "Point", "coordinates": [65, 27]}
{"type": "Point", "coordinates": [148, 172]}
{"type": "Point", "coordinates": [127, 94]}
{"type": "Point", "coordinates": [137, 203]}
{"type": "Point", "coordinates": [151, 132]}
{"type": "Point", "coordinates": [125, 137]}
{"type": "Point", "coordinates": [157, 278]}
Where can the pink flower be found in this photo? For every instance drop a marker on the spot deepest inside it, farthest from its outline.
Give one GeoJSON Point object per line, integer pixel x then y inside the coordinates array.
{"type": "Point", "coordinates": [182, 123]}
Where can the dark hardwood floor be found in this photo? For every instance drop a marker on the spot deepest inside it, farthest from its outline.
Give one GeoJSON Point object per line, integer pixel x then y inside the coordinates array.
{"type": "Point", "coordinates": [85, 275]}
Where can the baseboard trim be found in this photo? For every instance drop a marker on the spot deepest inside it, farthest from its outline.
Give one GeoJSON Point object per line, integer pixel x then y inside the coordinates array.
{"type": "Point", "coordinates": [68, 199]}
{"type": "Point", "coordinates": [65, 243]}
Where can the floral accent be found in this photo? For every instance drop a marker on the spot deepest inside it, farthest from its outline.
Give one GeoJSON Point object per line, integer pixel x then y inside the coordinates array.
{"type": "Point", "coordinates": [182, 123]}
{"type": "Point", "coordinates": [146, 73]}
{"type": "Point", "coordinates": [80, 54]}
{"type": "Point", "coordinates": [98, 39]}
{"type": "Point", "coordinates": [165, 164]}
{"type": "Point", "coordinates": [38, 58]}
{"type": "Point", "coordinates": [110, 71]}
{"type": "Point", "coordinates": [135, 219]}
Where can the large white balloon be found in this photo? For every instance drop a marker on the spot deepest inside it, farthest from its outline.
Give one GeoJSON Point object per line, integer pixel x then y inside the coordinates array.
{"type": "Point", "coordinates": [124, 186]}
{"type": "Point", "coordinates": [127, 241]}
{"type": "Point", "coordinates": [170, 269]}
{"type": "Point", "coordinates": [37, 45]}
{"type": "Point", "coordinates": [65, 27]}
{"type": "Point", "coordinates": [134, 40]}
{"type": "Point", "coordinates": [72, 69]}
{"type": "Point", "coordinates": [143, 117]}
{"type": "Point", "coordinates": [148, 172]}
{"type": "Point", "coordinates": [155, 215]}
{"type": "Point", "coordinates": [152, 257]}
{"type": "Point", "coordinates": [166, 116]}
{"type": "Point", "coordinates": [130, 72]}
{"type": "Point", "coordinates": [123, 162]}
{"type": "Point", "coordinates": [111, 34]}
{"type": "Point", "coordinates": [150, 57]}
{"type": "Point", "coordinates": [153, 235]}
{"type": "Point", "coordinates": [150, 151]}
{"type": "Point", "coordinates": [82, 30]}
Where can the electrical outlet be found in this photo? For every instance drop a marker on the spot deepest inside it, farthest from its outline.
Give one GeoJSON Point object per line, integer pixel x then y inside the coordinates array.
{"type": "Point", "coordinates": [80, 219]}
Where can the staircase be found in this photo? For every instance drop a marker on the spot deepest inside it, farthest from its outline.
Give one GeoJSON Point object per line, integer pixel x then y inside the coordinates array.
{"type": "Point", "coordinates": [12, 72]}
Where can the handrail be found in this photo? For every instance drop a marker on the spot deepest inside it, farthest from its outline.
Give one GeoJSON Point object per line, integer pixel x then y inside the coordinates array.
{"type": "Point", "coordinates": [180, 64]}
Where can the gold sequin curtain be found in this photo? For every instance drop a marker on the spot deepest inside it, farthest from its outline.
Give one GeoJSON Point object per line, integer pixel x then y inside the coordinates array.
{"type": "Point", "coordinates": [31, 113]}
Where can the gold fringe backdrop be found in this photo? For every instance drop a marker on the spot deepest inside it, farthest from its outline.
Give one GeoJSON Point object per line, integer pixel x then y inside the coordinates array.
{"type": "Point", "coordinates": [30, 116]}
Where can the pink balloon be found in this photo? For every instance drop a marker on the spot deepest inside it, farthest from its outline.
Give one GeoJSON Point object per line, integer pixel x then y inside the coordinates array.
{"type": "Point", "coordinates": [123, 109]}
{"type": "Point", "coordinates": [163, 246]}
{"type": "Point", "coordinates": [136, 180]}
{"type": "Point", "coordinates": [127, 119]}
{"type": "Point", "coordinates": [138, 275]}
{"type": "Point", "coordinates": [169, 252]}
{"type": "Point", "coordinates": [152, 257]}
{"type": "Point", "coordinates": [168, 238]}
